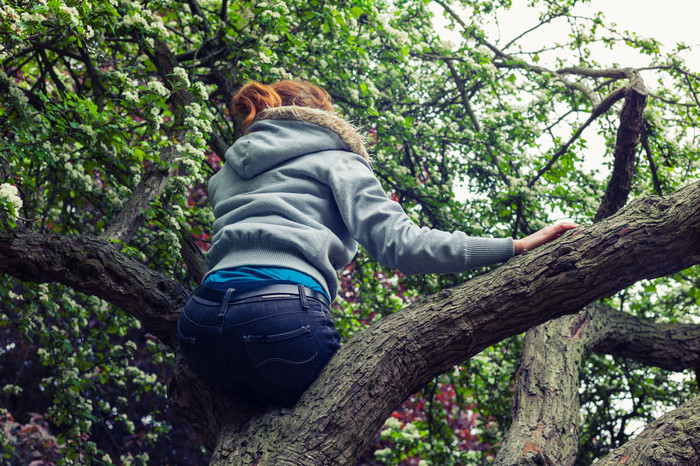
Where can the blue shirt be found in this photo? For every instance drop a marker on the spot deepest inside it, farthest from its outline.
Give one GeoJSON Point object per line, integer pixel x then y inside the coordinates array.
{"type": "Point", "coordinates": [246, 277]}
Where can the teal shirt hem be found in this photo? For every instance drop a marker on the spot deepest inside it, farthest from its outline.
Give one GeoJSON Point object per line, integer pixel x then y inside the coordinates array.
{"type": "Point", "coordinates": [250, 275]}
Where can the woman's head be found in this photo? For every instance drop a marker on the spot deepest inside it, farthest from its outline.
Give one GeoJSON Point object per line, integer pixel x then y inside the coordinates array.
{"type": "Point", "coordinates": [254, 97]}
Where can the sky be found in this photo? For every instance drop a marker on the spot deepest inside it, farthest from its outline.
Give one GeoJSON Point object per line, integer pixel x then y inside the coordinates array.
{"type": "Point", "coordinates": [669, 22]}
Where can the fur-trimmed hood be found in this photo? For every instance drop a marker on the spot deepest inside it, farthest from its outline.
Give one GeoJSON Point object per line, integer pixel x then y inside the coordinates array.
{"type": "Point", "coordinates": [282, 133]}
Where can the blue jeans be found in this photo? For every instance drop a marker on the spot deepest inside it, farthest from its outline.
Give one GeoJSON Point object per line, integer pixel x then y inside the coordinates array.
{"type": "Point", "coordinates": [271, 346]}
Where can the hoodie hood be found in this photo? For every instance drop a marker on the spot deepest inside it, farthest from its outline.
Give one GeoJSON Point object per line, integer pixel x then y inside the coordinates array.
{"type": "Point", "coordinates": [283, 133]}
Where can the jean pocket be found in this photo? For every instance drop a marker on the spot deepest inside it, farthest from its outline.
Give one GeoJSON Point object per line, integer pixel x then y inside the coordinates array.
{"type": "Point", "coordinates": [188, 348]}
{"type": "Point", "coordinates": [288, 359]}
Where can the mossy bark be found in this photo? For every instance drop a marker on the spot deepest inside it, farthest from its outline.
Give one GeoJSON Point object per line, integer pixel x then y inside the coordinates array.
{"type": "Point", "coordinates": [546, 404]}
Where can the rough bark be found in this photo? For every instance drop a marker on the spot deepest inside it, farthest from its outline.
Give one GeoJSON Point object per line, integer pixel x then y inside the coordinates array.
{"type": "Point", "coordinates": [671, 440]}
{"type": "Point", "coordinates": [544, 430]}
{"type": "Point", "coordinates": [674, 347]}
{"type": "Point", "coordinates": [545, 426]}
{"type": "Point", "coordinates": [629, 133]}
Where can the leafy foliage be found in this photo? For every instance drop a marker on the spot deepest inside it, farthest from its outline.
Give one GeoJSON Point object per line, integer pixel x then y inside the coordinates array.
{"type": "Point", "coordinates": [108, 104]}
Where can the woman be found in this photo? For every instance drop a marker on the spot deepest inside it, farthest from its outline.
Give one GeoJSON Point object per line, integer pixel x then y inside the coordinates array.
{"type": "Point", "coordinates": [294, 199]}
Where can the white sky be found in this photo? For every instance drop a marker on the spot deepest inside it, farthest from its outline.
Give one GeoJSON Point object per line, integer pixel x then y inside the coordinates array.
{"type": "Point", "coordinates": [669, 22]}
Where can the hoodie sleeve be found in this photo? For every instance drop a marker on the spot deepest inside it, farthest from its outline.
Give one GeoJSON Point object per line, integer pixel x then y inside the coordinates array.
{"type": "Point", "coordinates": [382, 227]}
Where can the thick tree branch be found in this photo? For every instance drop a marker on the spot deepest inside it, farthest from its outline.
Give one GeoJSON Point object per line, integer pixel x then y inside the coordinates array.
{"type": "Point", "coordinates": [95, 267]}
{"type": "Point", "coordinates": [671, 440]}
{"type": "Point", "coordinates": [674, 347]}
{"type": "Point", "coordinates": [383, 365]}
{"type": "Point", "coordinates": [628, 135]}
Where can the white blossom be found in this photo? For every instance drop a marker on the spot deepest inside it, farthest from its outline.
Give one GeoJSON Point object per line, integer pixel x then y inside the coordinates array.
{"type": "Point", "coordinates": [87, 129]}
{"type": "Point", "coordinates": [491, 70]}
{"type": "Point", "coordinates": [193, 109]}
{"type": "Point", "coordinates": [200, 90]}
{"type": "Point", "coordinates": [32, 18]}
{"type": "Point", "coordinates": [71, 13]}
{"type": "Point", "coordinates": [131, 96]}
{"type": "Point", "coordinates": [158, 88]}
{"type": "Point", "coordinates": [19, 96]}
{"type": "Point", "coordinates": [10, 194]}
{"type": "Point", "coordinates": [264, 58]}
{"type": "Point", "coordinates": [182, 75]}
{"type": "Point", "coordinates": [44, 293]}
{"type": "Point", "coordinates": [9, 13]}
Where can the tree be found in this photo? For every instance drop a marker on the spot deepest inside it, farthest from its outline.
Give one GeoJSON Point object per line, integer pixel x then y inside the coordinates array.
{"type": "Point", "coordinates": [114, 114]}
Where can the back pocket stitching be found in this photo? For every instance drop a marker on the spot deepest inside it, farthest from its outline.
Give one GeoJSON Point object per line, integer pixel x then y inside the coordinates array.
{"type": "Point", "coordinates": [278, 337]}
{"type": "Point", "coordinates": [253, 340]}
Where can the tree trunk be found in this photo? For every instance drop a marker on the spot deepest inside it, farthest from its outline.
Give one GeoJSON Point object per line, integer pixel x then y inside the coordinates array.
{"type": "Point", "coordinates": [546, 403]}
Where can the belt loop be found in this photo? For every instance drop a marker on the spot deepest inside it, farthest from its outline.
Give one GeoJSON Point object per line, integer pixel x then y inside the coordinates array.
{"type": "Point", "coordinates": [191, 293]}
{"type": "Point", "coordinates": [224, 303]}
{"type": "Point", "coordinates": [302, 297]}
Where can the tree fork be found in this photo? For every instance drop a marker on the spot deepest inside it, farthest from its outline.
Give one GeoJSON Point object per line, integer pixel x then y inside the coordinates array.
{"type": "Point", "coordinates": [546, 403]}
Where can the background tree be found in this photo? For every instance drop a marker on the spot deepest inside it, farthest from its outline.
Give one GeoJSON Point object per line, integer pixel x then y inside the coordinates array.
{"type": "Point", "coordinates": [113, 115]}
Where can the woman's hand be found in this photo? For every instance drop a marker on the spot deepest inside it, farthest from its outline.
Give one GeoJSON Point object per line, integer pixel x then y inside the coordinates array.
{"type": "Point", "coordinates": [545, 235]}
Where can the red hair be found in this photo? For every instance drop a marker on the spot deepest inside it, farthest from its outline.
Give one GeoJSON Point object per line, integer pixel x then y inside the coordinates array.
{"type": "Point", "coordinates": [254, 97]}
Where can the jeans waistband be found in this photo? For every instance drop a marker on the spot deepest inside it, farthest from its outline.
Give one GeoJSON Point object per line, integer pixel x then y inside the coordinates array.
{"type": "Point", "coordinates": [288, 289]}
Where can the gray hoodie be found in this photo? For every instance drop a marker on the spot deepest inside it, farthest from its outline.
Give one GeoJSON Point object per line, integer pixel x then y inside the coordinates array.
{"type": "Point", "coordinates": [292, 193]}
